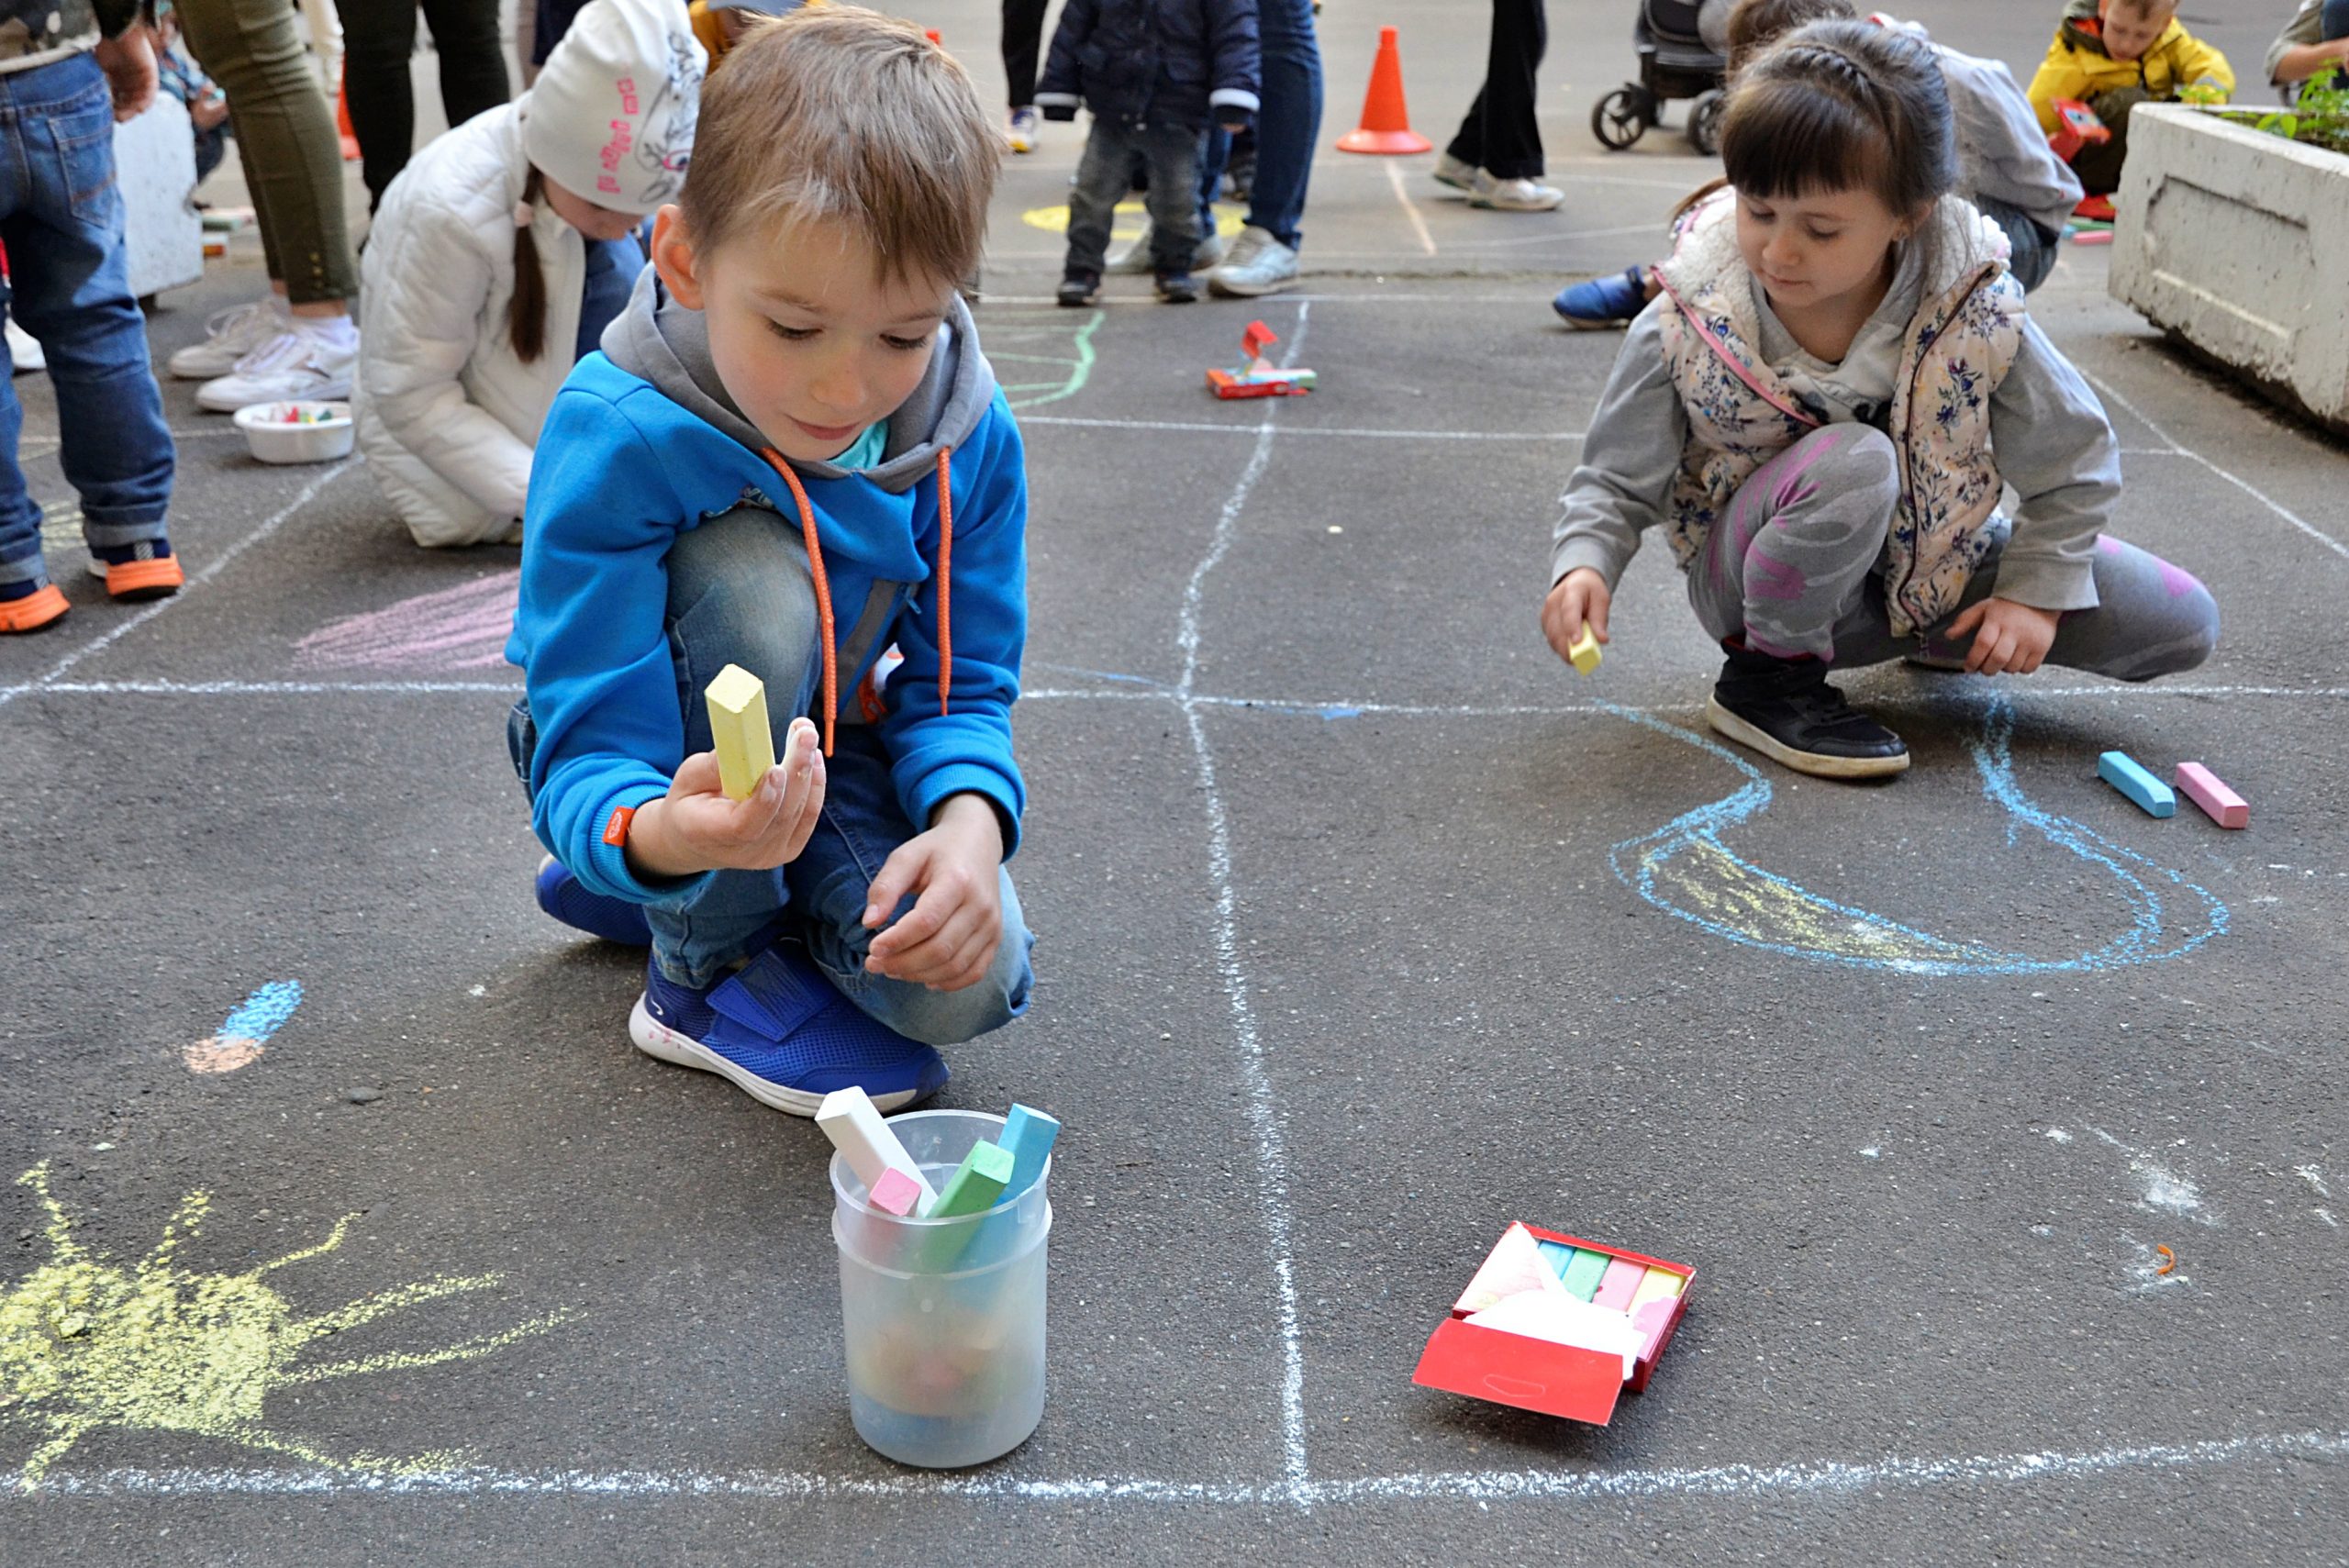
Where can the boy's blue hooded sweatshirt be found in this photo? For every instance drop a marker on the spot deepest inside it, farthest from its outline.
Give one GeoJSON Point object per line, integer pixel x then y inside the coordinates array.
{"type": "Point", "coordinates": [643, 443]}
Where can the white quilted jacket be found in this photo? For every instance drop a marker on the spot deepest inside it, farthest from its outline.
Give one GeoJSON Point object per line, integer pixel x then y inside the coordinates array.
{"type": "Point", "coordinates": [447, 414]}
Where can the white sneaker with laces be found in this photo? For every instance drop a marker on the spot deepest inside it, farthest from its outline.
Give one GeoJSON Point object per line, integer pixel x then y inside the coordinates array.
{"type": "Point", "coordinates": [229, 337]}
{"type": "Point", "coordinates": [311, 358]}
{"type": "Point", "coordinates": [1514, 196]}
{"type": "Point", "coordinates": [1458, 172]}
{"type": "Point", "coordinates": [25, 353]}
{"type": "Point", "coordinates": [1258, 264]}
{"type": "Point", "coordinates": [1132, 258]}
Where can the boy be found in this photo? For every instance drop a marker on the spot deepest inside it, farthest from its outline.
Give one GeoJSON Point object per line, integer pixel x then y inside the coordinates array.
{"type": "Point", "coordinates": [2313, 44]}
{"type": "Point", "coordinates": [1154, 73]}
{"type": "Point", "coordinates": [2113, 55]}
{"type": "Point", "coordinates": [756, 470]}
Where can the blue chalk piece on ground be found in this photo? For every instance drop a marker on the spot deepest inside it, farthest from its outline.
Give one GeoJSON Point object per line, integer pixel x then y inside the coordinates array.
{"type": "Point", "coordinates": [1027, 1134]}
{"type": "Point", "coordinates": [2119, 770]}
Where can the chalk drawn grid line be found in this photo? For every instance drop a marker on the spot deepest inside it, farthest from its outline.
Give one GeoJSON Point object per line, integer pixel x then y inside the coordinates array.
{"type": "Point", "coordinates": [1296, 1488]}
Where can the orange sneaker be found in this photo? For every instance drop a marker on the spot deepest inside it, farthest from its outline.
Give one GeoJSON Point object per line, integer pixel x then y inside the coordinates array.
{"type": "Point", "coordinates": [44, 606]}
{"type": "Point", "coordinates": [130, 580]}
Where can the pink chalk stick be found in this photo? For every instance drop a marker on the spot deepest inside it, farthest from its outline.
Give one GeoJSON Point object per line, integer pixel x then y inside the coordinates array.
{"type": "Point", "coordinates": [1616, 1285]}
{"type": "Point", "coordinates": [895, 1193]}
{"type": "Point", "coordinates": [2204, 789]}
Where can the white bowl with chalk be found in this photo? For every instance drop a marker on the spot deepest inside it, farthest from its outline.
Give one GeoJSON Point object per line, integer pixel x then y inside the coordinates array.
{"type": "Point", "coordinates": [296, 432]}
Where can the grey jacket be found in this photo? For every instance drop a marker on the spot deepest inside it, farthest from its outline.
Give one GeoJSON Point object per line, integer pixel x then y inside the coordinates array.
{"type": "Point", "coordinates": [2003, 153]}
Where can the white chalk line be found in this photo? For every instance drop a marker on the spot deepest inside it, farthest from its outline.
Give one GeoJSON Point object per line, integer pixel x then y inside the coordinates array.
{"type": "Point", "coordinates": [1259, 432]}
{"type": "Point", "coordinates": [1410, 208]}
{"type": "Point", "coordinates": [269, 525]}
{"type": "Point", "coordinates": [2179, 449]}
{"type": "Point", "coordinates": [1264, 1117]}
{"type": "Point", "coordinates": [1748, 1481]}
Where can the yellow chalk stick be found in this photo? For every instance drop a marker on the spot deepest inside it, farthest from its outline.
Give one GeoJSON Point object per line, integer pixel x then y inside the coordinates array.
{"type": "Point", "coordinates": [738, 729]}
{"type": "Point", "coordinates": [1656, 1285]}
{"type": "Point", "coordinates": [1585, 650]}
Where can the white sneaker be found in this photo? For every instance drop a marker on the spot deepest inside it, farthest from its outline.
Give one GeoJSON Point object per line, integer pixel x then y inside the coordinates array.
{"type": "Point", "coordinates": [230, 335]}
{"type": "Point", "coordinates": [25, 353]}
{"type": "Point", "coordinates": [1132, 258]}
{"type": "Point", "coordinates": [1021, 135]}
{"type": "Point", "coordinates": [1258, 264]}
{"type": "Point", "coordinates": [309, 359]}
{"type": "Point", "coordinates": [1514, 196]}
{"type": "Point", "coordinates": [1458, 172]}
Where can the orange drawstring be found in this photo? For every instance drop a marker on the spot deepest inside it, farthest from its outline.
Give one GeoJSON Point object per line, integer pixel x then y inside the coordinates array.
{"type": "Point", "coordinates": [823, 592]}
{"type": "Point", "coordinates": [945, 576]}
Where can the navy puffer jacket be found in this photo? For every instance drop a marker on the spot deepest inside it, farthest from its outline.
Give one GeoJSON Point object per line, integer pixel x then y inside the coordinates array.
{"type": "Point", "coordinates": [1168, 62]}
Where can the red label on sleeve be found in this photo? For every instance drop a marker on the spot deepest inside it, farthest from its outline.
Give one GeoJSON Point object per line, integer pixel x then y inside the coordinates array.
{"type": "Point", "coordinates": [615, 830]}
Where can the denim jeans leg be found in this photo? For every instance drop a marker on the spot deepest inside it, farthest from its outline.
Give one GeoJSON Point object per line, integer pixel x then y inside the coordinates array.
{"type": "Point", "coordinates": [862, 825]}
{"type": "Point", "coordinates": [1214, 152]}
{"type": "Point", "coordinates": [2335, 19]}
{"type": "Point", "coordinates": [1103, 175]}
{"type": "Point", "coordinates": [1290, 122]}
{"type": "Point", "coordinates": [739, 593]}
{"type": "Point", "coordinates": [1174, 154]}
{"type": "Point", "coordinates": [71, 285]}
{"type": "Point", "coordinates": [2030, 253]}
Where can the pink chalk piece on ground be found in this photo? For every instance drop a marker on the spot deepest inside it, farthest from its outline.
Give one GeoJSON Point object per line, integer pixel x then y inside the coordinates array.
{"type": "Point", "coordinates": [895, 1193]}
{"type": "Point", "coordinates": [1616, 1285]}
{"type": "Point", "coordinates": [2207, 790]}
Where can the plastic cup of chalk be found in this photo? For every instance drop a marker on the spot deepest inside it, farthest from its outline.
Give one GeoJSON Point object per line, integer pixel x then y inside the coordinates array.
{"type": "Point", "coordinates": [943, 1319]}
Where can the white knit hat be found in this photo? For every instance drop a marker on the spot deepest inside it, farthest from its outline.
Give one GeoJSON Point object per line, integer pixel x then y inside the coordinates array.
{"type": "Point", "coordinates": [611, 116]}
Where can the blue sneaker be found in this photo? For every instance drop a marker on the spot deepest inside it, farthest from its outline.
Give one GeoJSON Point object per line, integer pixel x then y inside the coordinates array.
{"type": "Point", "coordinates": [784, 1034]}
{"type": "Point", "coordinates": [1606, 301]}
{"type": "Point", "coordinates": [566, 898]}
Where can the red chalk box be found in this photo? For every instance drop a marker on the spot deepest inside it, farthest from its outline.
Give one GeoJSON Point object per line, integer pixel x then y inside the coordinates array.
{"type": "Point", "coordinates": [1541, 1375]}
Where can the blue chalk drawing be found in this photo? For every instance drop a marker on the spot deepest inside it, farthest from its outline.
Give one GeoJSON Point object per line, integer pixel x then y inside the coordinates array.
{"type": "Point", "coordinates": [1686, 870]}
{"type": "Point", "coordinates": [262, 1014]}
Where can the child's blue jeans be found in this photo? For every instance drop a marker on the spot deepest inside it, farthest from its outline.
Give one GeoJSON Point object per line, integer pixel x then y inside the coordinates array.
{"type": "Point", "coordinates": [741, 593]}
{"type": "Point", "coordinates": [60, 218]}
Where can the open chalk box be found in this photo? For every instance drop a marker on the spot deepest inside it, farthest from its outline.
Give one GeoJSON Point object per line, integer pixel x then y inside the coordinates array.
{"type": "Point", "coordinates": [1556, 1324]}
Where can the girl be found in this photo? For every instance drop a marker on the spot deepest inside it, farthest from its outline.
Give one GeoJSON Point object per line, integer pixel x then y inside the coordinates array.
{"type": "Point", "coordinates": [1822, 409]}
{"type": "Point", "coordinates": [499, 256]}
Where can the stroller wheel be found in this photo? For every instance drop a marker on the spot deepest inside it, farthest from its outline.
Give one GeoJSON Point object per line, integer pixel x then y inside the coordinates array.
{"type": "Point", "coordinates": [1620, 118]}
{"type": "Point", "coordinates": [1705, 122]}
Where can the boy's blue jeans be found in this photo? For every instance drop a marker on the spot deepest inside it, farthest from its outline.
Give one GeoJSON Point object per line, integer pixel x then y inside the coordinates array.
{"type": "Point", "coordinates": [741, 593]}
{"type": "Point", "coordinates": [1286, 127]}
{"type": "Point", "coordinates": [60, 218]}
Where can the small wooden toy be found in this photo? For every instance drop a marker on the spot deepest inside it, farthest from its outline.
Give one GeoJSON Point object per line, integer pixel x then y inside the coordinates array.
{"type": "Point", "coordinates": [2207, 790]}
{"type": "Point", "coordinates": [2077, 126]}
{"type": "Point", "coordinates": [1547, 1345]}
{"type": "Point", "coordinates": [1258, 377]}
{"type": "Point", "coordinates": [2121, 772]}
{"type": "Point", "coordinates": [739, 731]}
{"type": "Point", "coordinates": [849, 1118]}
{"type": "Point", "coordinates": [1584, 653]}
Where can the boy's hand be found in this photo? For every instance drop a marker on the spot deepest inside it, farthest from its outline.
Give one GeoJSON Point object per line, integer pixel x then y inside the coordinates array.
{"type": "Point", "coordinates": [947, 940]}
{"type": "Point", "coordinates": [694, 828]}
{"type": "Point", "coordinates": [2009, 638]}
{"type": "Point", "coordinates": [1581, 595]}
{"type": "Point", "coordinates": [128, 62]}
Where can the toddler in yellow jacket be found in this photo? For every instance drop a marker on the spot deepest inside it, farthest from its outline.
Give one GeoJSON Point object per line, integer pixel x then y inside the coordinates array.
{"type": "Point", "coordinates": [2113, 55]}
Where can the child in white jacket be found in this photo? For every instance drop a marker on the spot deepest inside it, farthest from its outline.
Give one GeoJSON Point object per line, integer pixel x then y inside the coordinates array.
{"type": "Point", "coordinates": [499, 256]}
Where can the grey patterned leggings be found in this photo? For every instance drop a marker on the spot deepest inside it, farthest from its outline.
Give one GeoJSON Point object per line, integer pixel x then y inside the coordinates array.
{"type": "Point", "coordinates": [1797, 562]}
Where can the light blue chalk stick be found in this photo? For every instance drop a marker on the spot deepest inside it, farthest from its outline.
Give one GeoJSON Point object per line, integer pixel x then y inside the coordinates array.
{"type": "Point", "coordinates": [2117, 769]}
{"type": "Point", "coordinates": [1557, 1254]}
{"type": "Point", "coordinates": [1027, 1134]}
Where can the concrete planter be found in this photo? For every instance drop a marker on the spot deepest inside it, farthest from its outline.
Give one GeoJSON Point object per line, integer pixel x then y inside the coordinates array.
{"type": "Point", "coordinates": [2237, 242]}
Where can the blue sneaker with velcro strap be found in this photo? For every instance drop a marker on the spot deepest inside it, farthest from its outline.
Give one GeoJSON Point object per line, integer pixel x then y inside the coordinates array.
{"type": "Point", "coordinates": [567, 898]}
{"type": "Point", "coordinates": [784, 1034]}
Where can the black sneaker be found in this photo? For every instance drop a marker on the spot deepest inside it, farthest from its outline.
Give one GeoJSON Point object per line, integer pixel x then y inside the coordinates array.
{"type": "Point", "coordinates": [1786, 709]}
{"type": "Point", "coordinates": [1177, 288]}
{"type": "Point", "coordinates": [1079, 289]}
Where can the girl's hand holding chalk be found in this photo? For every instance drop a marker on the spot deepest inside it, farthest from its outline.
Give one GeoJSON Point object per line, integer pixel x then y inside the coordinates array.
{"type": "Point", "coordinates": [694, 828]}
{"type": "Point", "coordinates": [1580, 598]}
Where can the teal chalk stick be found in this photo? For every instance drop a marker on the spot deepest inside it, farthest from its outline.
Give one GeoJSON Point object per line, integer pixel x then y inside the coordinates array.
{"type": "Point", "coordinates": [1557, 1254]}
{"type": "Point", "coordinates": [2121, 772]}
{"type": "Point", "coordinates": [1028, 1133]}
{"type": "Point", "coordinates": [975, 1185]}
{"type": "Point", "coordinates": [1584, 1272]}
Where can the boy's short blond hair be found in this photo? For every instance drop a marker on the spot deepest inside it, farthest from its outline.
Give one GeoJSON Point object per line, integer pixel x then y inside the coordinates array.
{"type": "Point", "coordinates": [838, 113]}
{"type": "Point", "coordinates": [2148, 9]}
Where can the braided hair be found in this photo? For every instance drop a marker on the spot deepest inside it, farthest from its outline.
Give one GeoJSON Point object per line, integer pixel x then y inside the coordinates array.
{"type": "Point", "coordinates": [1837, 105]}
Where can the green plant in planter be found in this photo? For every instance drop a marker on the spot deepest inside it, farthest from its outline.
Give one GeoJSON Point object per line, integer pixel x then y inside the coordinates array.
{"type": "Point", "coordinates": [2320, 118]}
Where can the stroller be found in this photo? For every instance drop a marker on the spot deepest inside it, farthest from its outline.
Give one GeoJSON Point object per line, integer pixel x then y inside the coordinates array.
{"type": "Point", "coordinates": [1674, 63]}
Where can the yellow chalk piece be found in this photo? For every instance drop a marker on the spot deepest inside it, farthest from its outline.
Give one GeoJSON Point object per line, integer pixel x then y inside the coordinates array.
{"type": "Point", "coordinates": [1585, 650]}
{"type": "Point", "coordinates": [740, 731]}
{"type": "Point", "coordinates": [1656, 1285]}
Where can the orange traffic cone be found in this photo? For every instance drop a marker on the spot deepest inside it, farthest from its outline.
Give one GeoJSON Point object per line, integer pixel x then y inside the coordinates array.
{"type": "Point", "coordinates": [1385, 123]}
{"type": "Point", "coordinates": [343, 120]}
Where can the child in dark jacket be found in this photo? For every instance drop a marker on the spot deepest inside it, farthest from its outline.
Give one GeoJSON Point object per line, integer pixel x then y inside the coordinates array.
{"type": "Point", "coordinates": [1154, 73]}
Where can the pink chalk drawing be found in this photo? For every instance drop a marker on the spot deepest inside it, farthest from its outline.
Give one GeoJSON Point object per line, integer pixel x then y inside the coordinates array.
{"type": "Point", "coordinates": [463, 627]}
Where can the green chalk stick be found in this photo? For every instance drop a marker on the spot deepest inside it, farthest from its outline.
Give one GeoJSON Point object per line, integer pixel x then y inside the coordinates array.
{"type": "Point", "coordinates": [975, 1184]}
{"type": "Point", "coordinates": [1584, 1271]}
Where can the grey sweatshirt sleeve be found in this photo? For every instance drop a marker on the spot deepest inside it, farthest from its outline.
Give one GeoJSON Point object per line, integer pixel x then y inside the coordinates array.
{"type": "Point", "coordinates": [2056, 447]}
{"type": "Point", "coordinates": [1629, 459]}
{"type": "Point", "coordinates": [2307, 27]}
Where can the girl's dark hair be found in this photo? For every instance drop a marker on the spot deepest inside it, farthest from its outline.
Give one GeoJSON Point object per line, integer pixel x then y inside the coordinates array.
{"type": "Point", "coordinates": [525, 312]}
{"type": "Point", "coordinates": [1836, 106]}
{"type": "Point", "coordinates": [1756, 25]}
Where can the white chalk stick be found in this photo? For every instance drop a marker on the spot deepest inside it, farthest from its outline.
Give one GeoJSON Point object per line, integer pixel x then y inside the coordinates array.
{"type": "Point", "coordinates": [853, 1123]}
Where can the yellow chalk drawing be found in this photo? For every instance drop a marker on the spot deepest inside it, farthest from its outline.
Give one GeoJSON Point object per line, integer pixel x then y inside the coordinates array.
{"type": "Point", "coordinates": [86, 1345]}
{"type": "Point", "coordinates": [1130, 220]}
